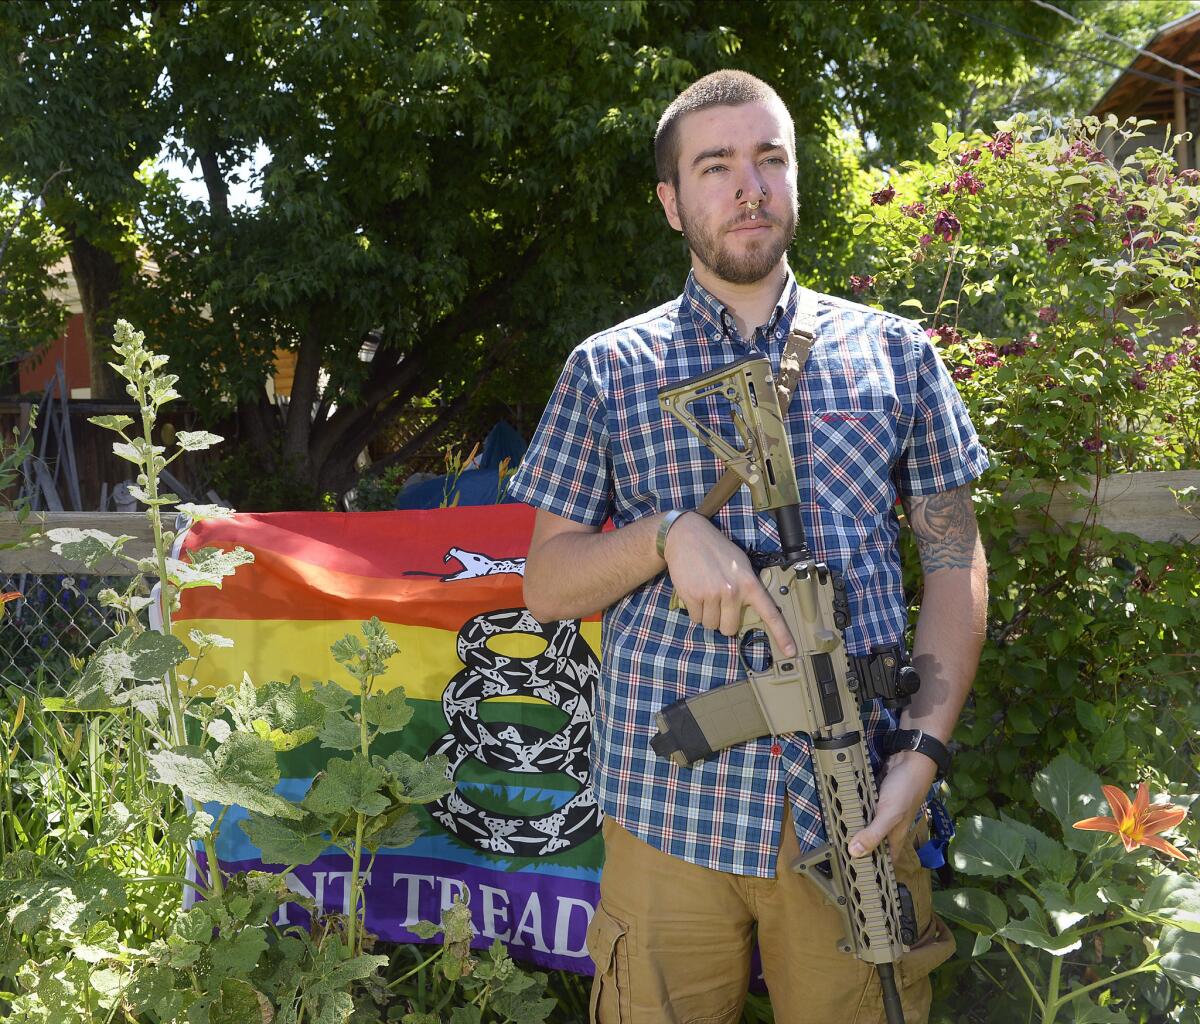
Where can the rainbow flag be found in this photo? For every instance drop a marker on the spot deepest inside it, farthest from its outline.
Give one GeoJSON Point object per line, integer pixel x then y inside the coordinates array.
{"type": "Point", "coordinates": [507, 699]}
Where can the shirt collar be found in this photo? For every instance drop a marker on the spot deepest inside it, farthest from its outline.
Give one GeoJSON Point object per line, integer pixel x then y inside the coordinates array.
{"type": "Point", "coordinates": [711, 316]}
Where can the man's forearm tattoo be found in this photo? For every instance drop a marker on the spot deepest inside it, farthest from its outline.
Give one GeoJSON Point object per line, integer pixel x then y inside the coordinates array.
{"type": "Point", "coordinates": [944, 525]}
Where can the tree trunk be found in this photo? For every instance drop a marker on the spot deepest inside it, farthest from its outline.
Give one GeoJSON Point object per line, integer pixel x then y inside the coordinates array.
{"type": "Point", "coordinates": [98, 276]}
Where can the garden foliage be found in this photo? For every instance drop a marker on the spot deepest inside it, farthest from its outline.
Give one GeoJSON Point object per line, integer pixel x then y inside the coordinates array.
{"type": "Point", "coordinates": [1057, 270]}
{"type": "Point", "coordinates": [66, 933]}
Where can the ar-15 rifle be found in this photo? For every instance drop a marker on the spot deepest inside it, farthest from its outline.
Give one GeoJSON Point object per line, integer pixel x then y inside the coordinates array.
{"type": "Point", "coordinates": [815, 692]}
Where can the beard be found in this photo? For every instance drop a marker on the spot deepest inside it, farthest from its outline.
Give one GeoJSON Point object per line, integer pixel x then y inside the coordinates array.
{"type": "Point", "coordinates": [759, 258]}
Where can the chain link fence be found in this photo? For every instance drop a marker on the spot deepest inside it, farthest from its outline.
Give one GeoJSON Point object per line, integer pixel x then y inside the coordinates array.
{"type": "Point", "coordinates": [57, 618]}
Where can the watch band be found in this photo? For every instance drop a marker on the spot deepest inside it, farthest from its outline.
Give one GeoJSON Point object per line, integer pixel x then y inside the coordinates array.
{"type": "Point", "coordinates": [922, 743]}
{"type": "Point", "coordinates": [669, 520]}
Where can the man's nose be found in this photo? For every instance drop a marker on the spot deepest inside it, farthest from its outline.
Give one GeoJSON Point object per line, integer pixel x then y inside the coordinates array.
{"type": "Point", "coordinates": [752, 190]}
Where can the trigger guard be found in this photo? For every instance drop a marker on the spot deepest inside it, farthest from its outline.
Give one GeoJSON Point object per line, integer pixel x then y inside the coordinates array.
{"type": "Point", "coordinates": [756, 635]}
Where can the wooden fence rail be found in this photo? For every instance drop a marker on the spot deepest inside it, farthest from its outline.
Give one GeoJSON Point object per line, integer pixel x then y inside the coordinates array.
{"type": "Point", "coordinates": [39, 559]}
{"type": "Point", "coordinates": [1143, 504]}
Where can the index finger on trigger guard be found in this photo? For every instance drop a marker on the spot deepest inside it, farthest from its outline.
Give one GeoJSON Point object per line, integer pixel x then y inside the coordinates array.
{"type": "Point", "coordinates": [773, 619]}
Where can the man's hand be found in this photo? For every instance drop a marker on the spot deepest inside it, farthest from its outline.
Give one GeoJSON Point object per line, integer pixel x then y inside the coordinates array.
{"type": "Point", "coordinates": [715, 581]}
{"type": "Point", "coordinates": [901, 794]}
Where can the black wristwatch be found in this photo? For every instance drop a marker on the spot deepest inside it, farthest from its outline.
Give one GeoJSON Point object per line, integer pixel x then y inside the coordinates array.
{"type": "Point", "coordinates": [922, 743]}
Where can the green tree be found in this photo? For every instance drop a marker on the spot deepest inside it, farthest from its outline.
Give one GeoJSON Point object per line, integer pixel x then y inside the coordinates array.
{"type": "Point", "coordinates": [79, 89]}
{"type": "Point", "coordinates": [1066, 75]}
{"type": "Point", "coordinates": [30, 314]}
{"type": "Point", "coordinates": [454, 192]}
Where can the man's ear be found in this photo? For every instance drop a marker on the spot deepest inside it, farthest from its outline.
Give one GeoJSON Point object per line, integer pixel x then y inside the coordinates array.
{"type": "Point", "coordinates": [669, 197]}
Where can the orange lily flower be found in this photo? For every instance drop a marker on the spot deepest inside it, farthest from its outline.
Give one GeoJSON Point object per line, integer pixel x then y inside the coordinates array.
{"type": "Point", "coordinates": [1139, 823]}
{"type": "Point", "coordinates": [5, 598]}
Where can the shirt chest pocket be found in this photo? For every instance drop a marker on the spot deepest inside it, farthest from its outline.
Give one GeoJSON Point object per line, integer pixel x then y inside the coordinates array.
{"type": "Point", "coordinates": [853, 451]}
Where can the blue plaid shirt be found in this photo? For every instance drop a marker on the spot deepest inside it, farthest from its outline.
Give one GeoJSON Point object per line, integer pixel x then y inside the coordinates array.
{"type": "Point", "coordinates": [875, 415]}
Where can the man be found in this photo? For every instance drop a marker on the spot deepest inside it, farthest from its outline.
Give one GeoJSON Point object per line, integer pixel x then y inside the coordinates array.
{"type": "Point", "coordinates": [698, 862]}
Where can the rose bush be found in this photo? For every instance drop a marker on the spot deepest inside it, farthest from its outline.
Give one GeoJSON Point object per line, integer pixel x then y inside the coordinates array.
{"type": "Point", "coordinates": [1057, 269]}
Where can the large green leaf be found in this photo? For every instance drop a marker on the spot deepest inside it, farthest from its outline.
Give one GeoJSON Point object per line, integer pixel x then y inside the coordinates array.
{"type": "Point", "coordinates": [91, 547]}
{"type": "Point", "coordinates": [1071, 793]}
{"type": "Point", "coordinates": [1174, 898]}
{"type": "Point", "coordinates": [237, 954]}
{"type": "Point", "coordinates": [985, 846]}
{"type": "Point", "coordinates": [206, 567]}
{"type": "Point", "coordinates": [339, 732]}
{"type": "Point", "coordinates": [284, 714]}
{"type": "Point", "coordinates": [285, 842]}
{"type": "Point", "coordinates": [1047, 856]}
{"type": "Point", "coordinates": [416, 782]}
{"type": "Point", "coordinates": [117, 423]}
{"type": "Point", "coordinates": [1180, 951]}
{"type": "Point", "coordinates": [976, 909]}
{"type": "Point", "coordinates": [1084, 1011]}
{"type": "Point", "coordinates": [1032, 933]}
{"type": "Point", "coordinates": [390, 711]}
{"type": "Point", "coordinates": [66, 904]}
{"type": "Point", "coordinates": [348, 785]}
{"type": "Point", "coordinates": [399, 829]}
{"type": "Point", "coordinates": [239, 1002]}
{"type": "Point", "coordinates": [1062, 910]}
{"type": "Point", "coordinates": [153, 654]}
{"type": "Point", "coordinates": [197, 440]}
{"type": "Point", "coordinates": [243, 772]}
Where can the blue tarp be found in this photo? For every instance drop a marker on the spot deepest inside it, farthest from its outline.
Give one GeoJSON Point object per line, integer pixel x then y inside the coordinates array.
{"type": "Point", "coordinates": [478, 486]}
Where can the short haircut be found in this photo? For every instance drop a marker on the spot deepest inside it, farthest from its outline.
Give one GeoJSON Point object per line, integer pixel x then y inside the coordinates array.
{"type": "Point", "coordinates": [726, 88]}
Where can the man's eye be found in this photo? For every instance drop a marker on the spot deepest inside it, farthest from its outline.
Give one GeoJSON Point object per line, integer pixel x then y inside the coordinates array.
{"type": "Point", "coordinates": [714, 167]}
{"type": "Point", "coordinates": [774, 160]}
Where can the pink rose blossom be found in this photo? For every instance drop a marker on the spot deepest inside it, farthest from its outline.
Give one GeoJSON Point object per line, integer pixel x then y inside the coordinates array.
{"type": "Point", "coordinates": [1084, 149]}
{"type": "Point", "coordinates": [968, 181]}
{"type": "Point", "coordinates": [913, 209]}
{"type": "Point", "coordinates": [947, 334]}
{"type": "Point", "coordinates": [969, 157]}
{"type": "Point", "coordinates": [1053, 244]}
{"type": "Point", "coordinates": [1141, 240]}
{"type": "Point", "coordinates": [860, 283]}
{"type": "Point", "coordinates": [1048, 315]}
{"type": "Point", "coordinates": [883, 196]}
{"type": "Point", "coordinates": [987, 356]}
{"type": "Point", "coordinates": [1001, 145]}
{"type": "Point", "coordinates": [946, 225]}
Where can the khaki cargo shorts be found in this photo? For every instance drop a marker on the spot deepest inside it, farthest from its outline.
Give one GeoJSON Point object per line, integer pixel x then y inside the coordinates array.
{"type": "Point", "coordinates": [672, 942]}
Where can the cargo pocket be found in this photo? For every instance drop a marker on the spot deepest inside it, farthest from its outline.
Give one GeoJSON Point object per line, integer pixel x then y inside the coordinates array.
{"type": "Point", "coordinates": [608, 946]}
{"type": "Point", "coordinates": [935, 943]}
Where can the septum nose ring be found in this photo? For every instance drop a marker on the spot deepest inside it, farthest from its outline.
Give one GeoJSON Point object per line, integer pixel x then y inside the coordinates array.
{"type": "Point", "coordinates": [751, 206]}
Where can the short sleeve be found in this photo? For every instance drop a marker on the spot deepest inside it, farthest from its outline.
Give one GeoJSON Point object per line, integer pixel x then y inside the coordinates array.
{"type": "Point", "coordinates": [943, 451]}
{"type": "Point", "coordinates": [566, 468]}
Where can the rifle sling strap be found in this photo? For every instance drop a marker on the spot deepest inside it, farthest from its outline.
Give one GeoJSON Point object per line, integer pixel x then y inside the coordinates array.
{"type": "Point", "coordinates": [795, 354]}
